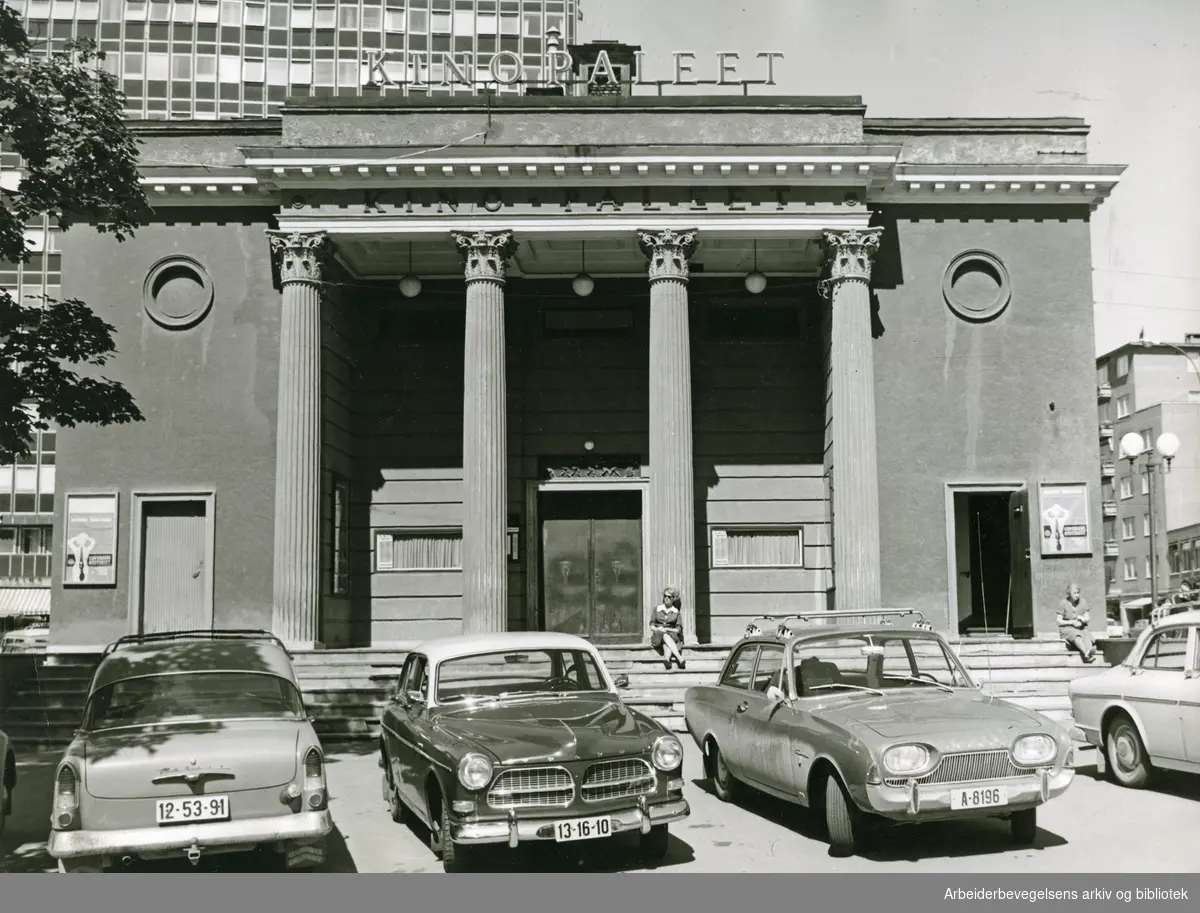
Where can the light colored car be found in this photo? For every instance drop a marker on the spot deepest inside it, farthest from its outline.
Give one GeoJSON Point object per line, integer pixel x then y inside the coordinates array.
{"type": "Point", "coordinates": [872, 724]}
{"type": "Point", "coordinates": [8, 778]}
{"type": "Point", "coordinates": [191, 743]}
{"type": "Point", "coordinates": [519, 737]}
{"type": "Point", "coordinates": [32, 638]}
{"type": "Point", "coordinates": [1145, 712]}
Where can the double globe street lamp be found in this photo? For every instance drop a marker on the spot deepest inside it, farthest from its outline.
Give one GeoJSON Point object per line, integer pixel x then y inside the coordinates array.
{"type": "Point", "coordinates": [1156, 460]}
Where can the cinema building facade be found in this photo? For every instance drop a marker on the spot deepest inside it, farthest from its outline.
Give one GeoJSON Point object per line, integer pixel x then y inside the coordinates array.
{"type": "Point", "coordinates": [412, 367]}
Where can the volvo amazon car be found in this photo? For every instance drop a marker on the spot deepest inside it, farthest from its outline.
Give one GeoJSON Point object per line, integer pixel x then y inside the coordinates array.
{"type": "Point", "coordinates": [191, 743]}
{"type": "Point", "coordinates": [1145, 713]}
{"type": "Point", "coordinates": [872, 722]}
{"type": "Point", "coordinates": [513, 738]}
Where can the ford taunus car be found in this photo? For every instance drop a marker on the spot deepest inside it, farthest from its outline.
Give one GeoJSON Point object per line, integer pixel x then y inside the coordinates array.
{"type": "Point", "coordinates": [1145, 713]}
{"type": "Point", "coordinates": [871, 724]}
{"type": "Point", "coordinates": [191, 743]}
{"type": "Point", "coordinates": [8, 778]}
{"type": "Point", "coordinates": [509, 738]}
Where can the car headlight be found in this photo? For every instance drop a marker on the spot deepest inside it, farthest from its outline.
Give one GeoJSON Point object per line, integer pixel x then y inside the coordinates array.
{"type": "Point", "coordinates": [1032, 750]}
{"type": "Point", "coordinates": [906, 760]}
{"type": "Point", "coordinates": [474, 771]}
{"type": "Point", "coordinates": [667, 753]}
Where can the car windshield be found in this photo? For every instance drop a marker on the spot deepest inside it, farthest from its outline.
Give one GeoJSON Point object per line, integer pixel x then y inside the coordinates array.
{"type": "Point", "coordinates": [875, 662]}
{"type": "Point", "coordinates": [192, 696]}
{"type": "Point", "coordinates": [513, 673]}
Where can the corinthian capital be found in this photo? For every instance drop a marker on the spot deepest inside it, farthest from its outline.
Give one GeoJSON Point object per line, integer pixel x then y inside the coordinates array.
{"type": "Point", "coordinates": [850, 255]}
{"type": "Point", "coordinates": [299, 257]}
{"type": "Point", "coordinates": [485, 253]}
{"type": "Point", "coordinates": [668, 251]}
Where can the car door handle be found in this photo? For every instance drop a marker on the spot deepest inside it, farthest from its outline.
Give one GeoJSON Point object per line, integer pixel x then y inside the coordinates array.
{"type": "Point", "coordinates": [743, 706]}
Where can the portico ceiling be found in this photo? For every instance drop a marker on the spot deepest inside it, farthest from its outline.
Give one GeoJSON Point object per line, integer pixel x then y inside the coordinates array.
{"type": "Point", "coordinates": [387, 257]}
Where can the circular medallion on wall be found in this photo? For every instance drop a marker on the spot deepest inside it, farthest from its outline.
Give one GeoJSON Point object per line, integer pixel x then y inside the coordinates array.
{"type": "Point", "coordinates": [178, 292]}
{"type": "Point", "coordinates": [976, 286]}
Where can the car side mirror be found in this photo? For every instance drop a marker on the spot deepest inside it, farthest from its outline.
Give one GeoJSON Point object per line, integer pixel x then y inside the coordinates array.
{"type": "Point", "coordinates": [414, 697]}
{"type": "Point", "coordinates": [621, 681]}
{"type": "Point", "coordinates": [776, 695]}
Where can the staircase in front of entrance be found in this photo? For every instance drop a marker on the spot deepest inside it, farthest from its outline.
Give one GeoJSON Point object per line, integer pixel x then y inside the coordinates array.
{"type": "Point", "coordinates": [345, 690]}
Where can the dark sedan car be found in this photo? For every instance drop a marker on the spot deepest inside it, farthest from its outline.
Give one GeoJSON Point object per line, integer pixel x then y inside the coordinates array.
{"type": "Point", "coordinates": [509, 738]}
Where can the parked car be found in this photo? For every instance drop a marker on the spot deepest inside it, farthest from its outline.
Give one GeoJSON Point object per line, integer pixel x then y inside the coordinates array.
{"type": "Point", "coordinates": [191, 743]}
{"type": "Point", "coordinates": [870, 724]}
{"type": "Point", "coordinates": [1145, 713]}
{"type": "Point", "coordinates": [33, 638]}
{"type": "Point", "coordinates": [8, 778]}
{"type": "Point", "coordinates": [511, 738]}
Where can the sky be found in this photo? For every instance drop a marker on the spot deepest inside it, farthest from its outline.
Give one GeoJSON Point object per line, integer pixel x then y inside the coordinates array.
{"type": "Point", "coordinates": [1129, 68]}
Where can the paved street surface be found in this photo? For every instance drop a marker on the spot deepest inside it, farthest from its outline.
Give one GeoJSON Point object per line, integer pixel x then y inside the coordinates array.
{"type": "Point", "coordinates": [1095, 827]}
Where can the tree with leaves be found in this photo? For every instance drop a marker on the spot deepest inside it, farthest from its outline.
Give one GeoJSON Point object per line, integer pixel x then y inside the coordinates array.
{"type": "Point", "coordinates": [63, 116]}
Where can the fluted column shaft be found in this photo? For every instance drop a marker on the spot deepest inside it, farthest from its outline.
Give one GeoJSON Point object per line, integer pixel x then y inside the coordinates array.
{"type": "Point", "coordinates": [856, 552]}
{"type": "Point", "coordinates": [672, 509]}
{"type": "Point", "coordinates": [485, 433]}
{"type": "Point", "coordinates": [296, 614]}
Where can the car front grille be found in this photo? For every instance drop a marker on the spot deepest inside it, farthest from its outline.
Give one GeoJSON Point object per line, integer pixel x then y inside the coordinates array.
{"type": "Point", "coordinates": [532, 787]}
{"type": "Point", "coordinates": [967, 767]}
{"type": "Point", "coordinates": [618, 779]}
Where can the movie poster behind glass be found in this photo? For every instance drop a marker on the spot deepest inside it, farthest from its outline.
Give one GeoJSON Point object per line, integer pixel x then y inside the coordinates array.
{"type": "Point", "coordinates": [1065, 531]}
{"type": "Point", "coordinates": [90, 545]}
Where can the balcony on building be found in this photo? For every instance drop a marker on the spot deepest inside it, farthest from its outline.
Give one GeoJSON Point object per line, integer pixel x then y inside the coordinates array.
{"type": "Point", "coordinates": [1104, 392]}
{"type": "Point", "coordinates": [1108, 469]}
{"type": "Point", "coordinates": [1106, 431]}
{"type": "Point", "coordinates": [1112, 548]}
{"type": "Point", "coordinates": [1110, 508]}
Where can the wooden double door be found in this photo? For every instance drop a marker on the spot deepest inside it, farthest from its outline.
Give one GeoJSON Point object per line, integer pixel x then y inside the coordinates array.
{"type": "Point", "coordinates": [591, 564]}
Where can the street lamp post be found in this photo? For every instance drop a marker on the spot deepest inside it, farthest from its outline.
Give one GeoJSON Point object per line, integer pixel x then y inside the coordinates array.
{"type": "Point", "coordinates": [1132, 448]}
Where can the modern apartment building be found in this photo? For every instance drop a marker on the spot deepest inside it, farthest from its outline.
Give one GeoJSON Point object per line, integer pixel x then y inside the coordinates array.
{"type": "Point", "coordinates": [1149, 388]}
{"type": "Point", "coordinates": [240, 59]}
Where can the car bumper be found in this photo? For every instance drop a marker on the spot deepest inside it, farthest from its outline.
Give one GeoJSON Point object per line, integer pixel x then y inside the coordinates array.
{"type": "Point", "coordinates": [1091, 735]}
{"type": "Point", "coordinates": [516, 830]}
{"type": "Point", "coordinates": [211, 836]}
{"type": "Point", "coordinates": [932, 802]}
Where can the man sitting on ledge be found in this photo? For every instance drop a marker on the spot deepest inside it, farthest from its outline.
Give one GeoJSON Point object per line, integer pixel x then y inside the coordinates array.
{"type": "Point", "coordinates": [1073, 618]}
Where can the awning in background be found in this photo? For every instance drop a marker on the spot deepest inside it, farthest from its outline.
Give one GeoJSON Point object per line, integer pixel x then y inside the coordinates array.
{"type": "Point", "coordinates": [24, 601]}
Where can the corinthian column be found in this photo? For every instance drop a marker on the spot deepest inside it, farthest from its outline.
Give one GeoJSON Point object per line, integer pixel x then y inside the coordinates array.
{"type": "Point", "coordinates": [855, 461]}
{"type": "Point", "coordinates": [671, 522]}
{"type": "Point", "coordinates": [296, 619]}
{"type": "Point", "coordinates": [485, 436]}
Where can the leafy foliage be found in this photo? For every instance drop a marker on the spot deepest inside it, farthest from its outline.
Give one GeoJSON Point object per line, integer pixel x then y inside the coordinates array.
{"type": "Point", "coordinates": [64, 116]}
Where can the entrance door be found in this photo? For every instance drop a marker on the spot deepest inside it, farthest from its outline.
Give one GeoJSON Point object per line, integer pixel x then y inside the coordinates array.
{"type": "Point", "coordinates": [592, 564]}
{"type": "Point", "coordinates": [992, 564]}
{"type": "Point", "coordinates": [174, 584]}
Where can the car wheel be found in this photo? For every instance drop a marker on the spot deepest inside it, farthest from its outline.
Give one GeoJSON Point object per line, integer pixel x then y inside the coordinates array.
{"type": "Point", "coordinates": [1127, 755]}
{"type": "Point", "coordinates": [391, 795]}
{"type": "Point", "coordinates": [81, 865]}
{"type": "Point", "coordinates": [654, 844]}
{"type": "Point", "coordinates": [724, 783]}
{"type": "Point", "coordinates": [1024, 825]}
{"type": "Point", "coordinates": [453, 855]}
{"type": "Point", "coordinates": [839, 816]}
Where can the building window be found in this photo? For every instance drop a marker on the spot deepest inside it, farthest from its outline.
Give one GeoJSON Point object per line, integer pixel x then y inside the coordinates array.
{"type": "Point", "coordinates": [1173, 557]}
{"type": "Point", "coordinates": [340, 537]}
{"type": "Point", "coordinates": [1127, 530]}
{"type": "Point", "coordinates": [758, 547]}
{"type": "Point", "coordinates": [1147, 440]}
{"type": "Point", "coordinates": [1145, 524]}
{"type": "Point", "coordinates": [28, 486]}
{"type": "Point", "coordinates": [1122, 365]}
{"type": "Point", "coordinates": [1149, 573]}
{"type": "Point", "coordinates": [1123, 406]}
{"type": "Point", "coordinates": [1126, 488]}
{"type": "Point", "coordinates": [418, 550]}
{"type": "Point", "coordinates": [1145, 485]}
{"type": "Point", "coordinates": [25, 552]}
{"type": "Point", "coordinates": [1130, 569]}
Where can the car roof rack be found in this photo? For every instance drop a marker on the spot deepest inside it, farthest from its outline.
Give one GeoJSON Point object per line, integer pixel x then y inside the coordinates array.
{"type": "Point", "coordinates": [819, 618]}
{"type": "Point", "coordinates": [197, 634]}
